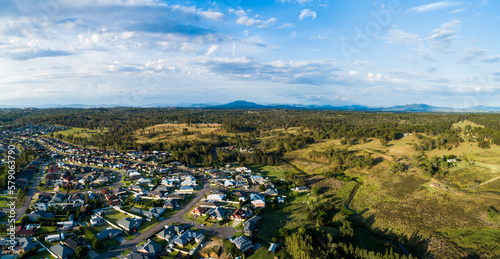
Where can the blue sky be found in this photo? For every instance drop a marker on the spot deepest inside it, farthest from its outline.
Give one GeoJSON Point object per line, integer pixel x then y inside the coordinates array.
{"type": "Point", "coordinates": [140, 52]}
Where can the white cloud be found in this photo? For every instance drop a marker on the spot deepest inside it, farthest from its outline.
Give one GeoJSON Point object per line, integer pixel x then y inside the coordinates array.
{"type": "Point", "coordinates": [211, 50]}
{"type": "Point", "coordinates": [286, 25]}
{"type": "Point", "coordinates": [215, 16]}
{"type": "Point", "coordinates": [397, 36]}
{"type": "Point", "coordinates": [492, 59]}
{"type": "Point", "coordinates": [434, 6]}
{"type": "Point", "coordinates": [443, 37]}
{"type": "Point", "coordinates": [459, 10]}
{"type": "Point", "coordinates": [248, 21]}
{"type": "Point", "coordinates": [307, 13]}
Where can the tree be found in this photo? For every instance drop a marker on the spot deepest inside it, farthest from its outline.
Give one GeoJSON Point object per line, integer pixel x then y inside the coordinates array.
{"type": "Point", "coordinates": [262, 188]}
{"type": "Point", "coordinates": [474, 186]}
{"type": "Point", "coordinates": [346, 230]}
{"type": "Point", "coordinates": [96, 245]}
{"type": "Point", "coordinates": [81, 251]}
{"type": "Point", "coordinates": [315, 191]}
{"type": "Point", "coordinates": [300, 245]}
{"type": "Point", "coordinates": [384, 141]}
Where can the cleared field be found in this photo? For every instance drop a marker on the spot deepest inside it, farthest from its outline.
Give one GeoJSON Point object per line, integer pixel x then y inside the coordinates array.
{"type": "Point", "coordinates": [177, 131]}
{"type": "Point", "coordinates": [79, 132]}
{"type": "Point", "coordinates": [464, 176]}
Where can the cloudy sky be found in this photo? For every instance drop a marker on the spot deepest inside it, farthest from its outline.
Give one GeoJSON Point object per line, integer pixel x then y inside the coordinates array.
{"type": "Point", "coordinates": [141, 52]}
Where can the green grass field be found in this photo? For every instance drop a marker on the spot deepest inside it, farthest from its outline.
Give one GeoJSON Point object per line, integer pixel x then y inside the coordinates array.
{"type": "Point", "coordinates": [171, 131]}
{"type": "Point", "coordinates": [79, 132]}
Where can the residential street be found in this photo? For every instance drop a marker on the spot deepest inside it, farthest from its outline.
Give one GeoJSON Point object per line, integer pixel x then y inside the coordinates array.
{"type": "Point", "coordinates": [32, 191]}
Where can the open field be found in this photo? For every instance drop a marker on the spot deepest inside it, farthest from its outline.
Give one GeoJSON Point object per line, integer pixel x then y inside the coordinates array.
{"type": "Point", "coordinates": [79, 132]}
{"type": "Point", "coordinates": [177, 131]}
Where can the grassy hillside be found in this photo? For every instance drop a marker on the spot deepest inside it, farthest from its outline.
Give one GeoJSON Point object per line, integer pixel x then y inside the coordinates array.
{"type": "Point", "coordinates": [402, 206]}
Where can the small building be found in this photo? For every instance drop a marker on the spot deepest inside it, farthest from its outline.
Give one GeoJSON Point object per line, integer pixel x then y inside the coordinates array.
{"type": "Point", "coordinates": [238, 215]}
{"type": "Point", "coordinates": [26, 244]}
{"type": "Point", "coordinates": [55, 237]}
{"type": "Point", "coordinates": [151, 248]}
{"type": "Point", "coordinates": [199, 211]}
{"type": "Point", "coordinates": [108, 233]}
{"type": "Point", "coordinates": [129, 224]}
{"type": "Point", "coordinates": [249, 225]}
{"type": "Point", "coordinates": [216, 197]}
{"type": "Point", "coordinates": [218, 213]}
{"type": "Point", "coordinates": [62, 251]}
{"type": "Point", "coordinates": [74, 242]}
{"type": "Point", "coordinates": [96, 220]}
{"type": "Point", "coordinates": [25, 231]}
{"type": "Point", "coordinates": [242, 243]}
{"type": "Point", "coordinates": [301, 189]}
{"type": "Point", "coordinates": [272, 248]}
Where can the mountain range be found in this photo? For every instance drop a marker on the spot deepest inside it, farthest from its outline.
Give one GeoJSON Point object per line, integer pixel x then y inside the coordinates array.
{"type": "Point", "coordinates": [251, 105]}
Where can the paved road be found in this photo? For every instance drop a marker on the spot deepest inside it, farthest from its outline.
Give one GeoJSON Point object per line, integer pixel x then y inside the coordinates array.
{"type": "Point", "coordinates": [32, 191]}
{"type": "Point", "coordinates": [224, 232]}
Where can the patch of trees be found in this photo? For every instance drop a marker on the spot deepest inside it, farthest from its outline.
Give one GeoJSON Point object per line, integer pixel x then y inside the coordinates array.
{"type": "Point", "coordinates": [344, 159]}
{"type": "Point", "coordinates": [315, 243]}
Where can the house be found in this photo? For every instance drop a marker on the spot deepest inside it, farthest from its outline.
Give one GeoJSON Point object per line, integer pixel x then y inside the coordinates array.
{"type": "Point", "coordinates": [301, 189]}
{"type": "Point", "coordinates": [171, 204]}
{"type": "Point", "coordinates": [257, 200]}
{"type": "Point", "coordinates": [228, 184]}
{"type": "Point", "coordinates": [25, 231]}
{"type": "Point", "coordinates": [129, 224]}
{"type": "Point", "coordinates": [209, 204]}
{"type": "Point", "coordinates": [199, 211]}
{"type": "Point", "coordinates": [74, 242]}
{"type": "Point", "coordinates": [135, 255]}
{"type": "Point", "coordinates": [167, 234]}
{"type": "Point", "coordinates": [55, 237]}
{"type": "Point", "coordinates": [218, 213]}
{"type": "Point", "coordinates": [108, 233]}
{"type": "Point", "coordinates": [58, 197]}
{"type": "Point", "coordinates": [188, 237]}
{"type": "Point", "coordinates": [249, 225]}
{"type": "Point", "coordinates": [242, 243]}
{"type": "Point", "coordinates": [154, 212]}
{"type": "Point", "coordinates": [216, 197]}
{"type": "Point", "coordinates": [144, 181]}
{"type": "Point", "coordinates": [65, 225]}
{"type": "Point", "coordinates": [151, 248]}
{"type": "Point", "coordinates": [257, 179]}
{"type": "Point", "coordinates": [35, 215]}
{"type": "Point", "coordinates": [96, 220]}
{"type": "Point", "coordinates": [26, 244]}
{"type": "Point", "coordinates": [281, 199]}
{"type": "Point", "coordinates": [258, 203]}
{"type": "Point", "coordinates": [238, 215]}
{"type": "Point", "coordinates": [186, 189]}
{"type": "Point", "coordinates": [112, 200]}
{"type": "Point", "coordinates": [271, 192]}
{"type": "Point", "coordinates": [136, 188]}
{"type": "Point", "coordinates": [157, 194]}
{"type": "Point", "coordinates": [120, 192]}
{"type": "Point", "coordinates": [41, 206]}
{"type": "Point", "coordinates": [188, 181]}
{"type": "Point", "coordinates": [45, 197]}
{"type": "Point", "coordinates": [62, 251]}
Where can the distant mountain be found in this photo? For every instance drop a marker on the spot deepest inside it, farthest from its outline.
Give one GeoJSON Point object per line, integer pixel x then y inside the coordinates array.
{"type": "Point", "coordinates": [240, 105]}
